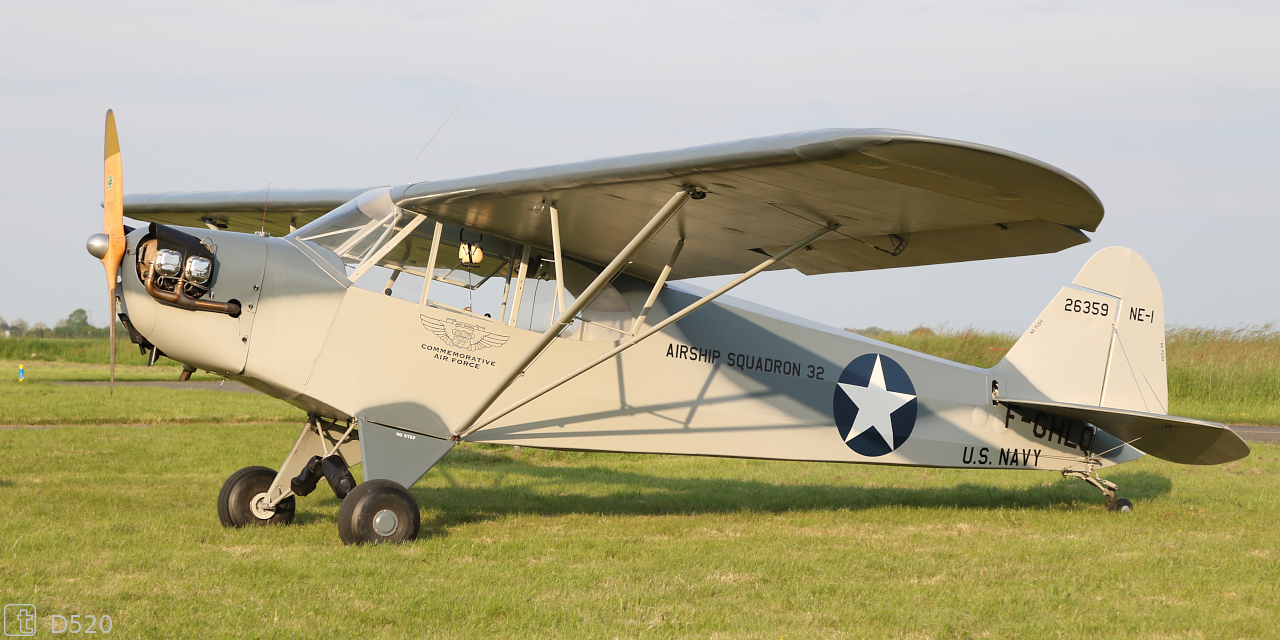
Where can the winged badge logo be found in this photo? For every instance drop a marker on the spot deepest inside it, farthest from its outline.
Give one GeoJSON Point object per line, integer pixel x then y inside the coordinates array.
{"type": "Point", "coordinates": [461, 335]}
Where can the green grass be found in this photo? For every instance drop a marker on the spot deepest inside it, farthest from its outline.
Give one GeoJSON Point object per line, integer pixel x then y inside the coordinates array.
{"type": "Point", "coordinates": [82, 350]}
{"type": "Point", "coordinates": [522, 543]}
{"type": "Point", "coordinates": [1225, 375]}
{"type": "Point", "coordinates": [47, 371]}
{"type": "Point", "coordinates": [42, 401]}
{"type": "Point", "coordinates": [516, 543]}
{"type": "Point", "coordinates": [969, 346]}
{"type": "Point", "coordinates": [1232, 375]}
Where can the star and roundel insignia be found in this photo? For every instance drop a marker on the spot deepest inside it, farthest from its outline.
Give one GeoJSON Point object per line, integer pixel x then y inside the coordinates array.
{"type": "Point", "coordinates": [874, 405]}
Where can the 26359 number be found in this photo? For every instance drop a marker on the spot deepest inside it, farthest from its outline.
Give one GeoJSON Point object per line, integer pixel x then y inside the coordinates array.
{"type": "Point", "coordinates": [1092, 308]}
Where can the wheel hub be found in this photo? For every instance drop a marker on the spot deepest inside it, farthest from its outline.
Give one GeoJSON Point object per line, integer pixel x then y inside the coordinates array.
{"type": "Point", "coordinates": [385, 523]}
{"type": "Point", "coordinates": [259, 507]}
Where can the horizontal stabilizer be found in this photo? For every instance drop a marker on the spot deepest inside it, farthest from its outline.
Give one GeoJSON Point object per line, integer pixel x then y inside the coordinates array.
{"type": "Point", "coordinates": [1182, 440]}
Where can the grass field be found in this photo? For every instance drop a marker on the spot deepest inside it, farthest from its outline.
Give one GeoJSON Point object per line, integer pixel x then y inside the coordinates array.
{"type": "Point", "coordinates": [1225, 375]}
{"type": "Point", "coordinates": [521, 543]}
{"type": "Point", "coordinates": [1228, 375]}
{"type": "Point", "coordinates": [41, 401]}
{"type": "Point", "coordinates": [118, 519]}
{"type": "Point", "coordinates": [38, 371]}
{"type": "Point", "coordinates": [81, 350]}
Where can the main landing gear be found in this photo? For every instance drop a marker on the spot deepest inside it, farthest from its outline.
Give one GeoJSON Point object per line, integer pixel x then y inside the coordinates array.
{"type": "Point", "coordinates": [243, 500]}
{"type": "Point", "coordinates": [375, 512]}
{"type": "Point", "coordinates": [1107, 487]}
{"type": "Point", "coordinates": [378, 511]}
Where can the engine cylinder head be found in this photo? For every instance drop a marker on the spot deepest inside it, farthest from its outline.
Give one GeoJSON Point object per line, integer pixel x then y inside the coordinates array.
{"type": "Point", "coordinates": [168, 263]}
{"type": "Point", "coordinates": [198, 270]}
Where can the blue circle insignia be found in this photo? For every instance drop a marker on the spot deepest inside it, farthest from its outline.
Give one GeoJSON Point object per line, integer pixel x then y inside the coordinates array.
{"type": "Point", "coordinates": [874, 405]}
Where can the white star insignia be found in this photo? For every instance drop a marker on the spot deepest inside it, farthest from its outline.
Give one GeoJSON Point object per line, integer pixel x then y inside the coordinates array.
{"type": "Point", "coordinates": [876, 405]}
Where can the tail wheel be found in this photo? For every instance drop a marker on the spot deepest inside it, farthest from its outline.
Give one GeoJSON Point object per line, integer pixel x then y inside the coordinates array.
{"type": "Point", "coordinates": [243, 500]}
{"type": "Point", "coordinates": [376, 512]}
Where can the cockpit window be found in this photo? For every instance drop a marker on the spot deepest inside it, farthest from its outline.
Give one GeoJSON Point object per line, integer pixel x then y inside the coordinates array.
{"type": "Point", "coordinates": [484, 271]}
{"type": "Point", "coordinates": [356, 230]}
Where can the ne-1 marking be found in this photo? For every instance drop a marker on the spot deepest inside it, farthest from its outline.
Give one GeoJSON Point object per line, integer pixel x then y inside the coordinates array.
{"type": "Point", "coordinates": [1140, 314]}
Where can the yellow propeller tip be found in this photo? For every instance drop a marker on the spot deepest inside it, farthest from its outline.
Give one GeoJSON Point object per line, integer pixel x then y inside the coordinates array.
{"type": "Point", "coordinates": [113, 141]}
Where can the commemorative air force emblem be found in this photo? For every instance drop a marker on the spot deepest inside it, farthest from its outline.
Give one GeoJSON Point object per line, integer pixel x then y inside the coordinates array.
{"type": "Point", "coordinates": [469, 337]}
{"type": "Point", "coordinates": [875, 405]}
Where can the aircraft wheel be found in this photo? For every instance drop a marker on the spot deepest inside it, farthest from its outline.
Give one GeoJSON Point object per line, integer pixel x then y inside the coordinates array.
{"type": "Point", "coordinates": [376, 512]}
{"type": "Point", "coordinates": [1120, 505]}
{"type": "Point", "coordinates": [242, 501]}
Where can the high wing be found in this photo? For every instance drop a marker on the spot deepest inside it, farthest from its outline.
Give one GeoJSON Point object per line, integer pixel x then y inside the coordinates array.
{"type": "Point", "coordinates": [901, 199]}
{"type": "Point", "coordinates": [241, 211]}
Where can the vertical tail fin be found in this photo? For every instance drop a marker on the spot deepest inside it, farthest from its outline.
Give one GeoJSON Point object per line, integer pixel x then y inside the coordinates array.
{"type": "Point", "coordinates": [1100, 342]}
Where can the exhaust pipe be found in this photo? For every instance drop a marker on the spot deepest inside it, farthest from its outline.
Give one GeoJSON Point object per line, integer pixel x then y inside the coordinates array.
{"type": "Point", "coordinates": [179, 298]}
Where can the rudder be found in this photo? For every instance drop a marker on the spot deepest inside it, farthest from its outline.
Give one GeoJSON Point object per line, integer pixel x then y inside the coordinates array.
{"type": "Point", "coordinates": [1099, 343]}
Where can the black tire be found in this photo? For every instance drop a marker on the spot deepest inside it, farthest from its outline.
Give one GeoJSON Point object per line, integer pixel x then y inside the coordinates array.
{"type": "Point", "coordinates": [237, 494]}
{"type": "Point", "coordinates": [356, 517]}
{"type": "Point", "coordinates": [1120, 505]}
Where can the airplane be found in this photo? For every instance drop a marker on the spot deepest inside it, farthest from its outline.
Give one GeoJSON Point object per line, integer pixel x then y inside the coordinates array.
{"type": "Point", "coordinates": [283, 291]}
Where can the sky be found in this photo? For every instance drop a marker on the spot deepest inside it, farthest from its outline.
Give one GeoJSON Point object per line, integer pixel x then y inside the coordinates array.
{"type": "Point", "coordinates": [1168, 110]}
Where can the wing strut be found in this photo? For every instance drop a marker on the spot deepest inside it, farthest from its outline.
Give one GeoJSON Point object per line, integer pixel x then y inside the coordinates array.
{"type": "Point", "coordinates": [652, 330]}
{"type": "Point", "coordinates": [657, 288]}
{"type": "Point", "coordinates": [555, 247]}
{"type": "Point", "coordinates": [431, 261]}
{"type": "Point", "coordinates": [515, 301]}
{"type": "Point", "coordinates": [588, 296]}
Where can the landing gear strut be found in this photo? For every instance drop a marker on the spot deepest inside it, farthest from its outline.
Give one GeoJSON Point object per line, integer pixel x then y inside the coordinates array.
{"type": "Point", "coordinates": [1107, 487]}
{"type": "Point", "coordinates": [375, 512]}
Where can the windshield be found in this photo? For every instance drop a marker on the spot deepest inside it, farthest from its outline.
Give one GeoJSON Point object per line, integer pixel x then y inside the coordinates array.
{"type": "Point", "coordinates": [356, 230]}
{"type": "Point", "coordinates": [353, 229]}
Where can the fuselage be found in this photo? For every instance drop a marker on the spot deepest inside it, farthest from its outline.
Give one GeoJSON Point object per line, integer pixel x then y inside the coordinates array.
{"type": "Point", "coordinates": [731, 379]}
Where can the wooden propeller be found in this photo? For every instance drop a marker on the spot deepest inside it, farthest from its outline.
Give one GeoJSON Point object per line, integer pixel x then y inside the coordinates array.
{"type": "Point", "coordinates": [113, 227]}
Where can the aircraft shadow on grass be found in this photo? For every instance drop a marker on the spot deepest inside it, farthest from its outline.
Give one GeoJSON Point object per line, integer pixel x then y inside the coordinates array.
{"type": "Point", "coordinates": [522, 487]}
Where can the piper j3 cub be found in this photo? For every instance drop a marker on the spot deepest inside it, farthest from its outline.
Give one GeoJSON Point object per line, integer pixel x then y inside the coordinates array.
{"type": "Point", "coordinates": [367, 309]}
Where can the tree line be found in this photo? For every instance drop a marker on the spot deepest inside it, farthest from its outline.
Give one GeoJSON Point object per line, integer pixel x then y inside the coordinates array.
{"type": "Point", "coordinates": [75, 325]}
